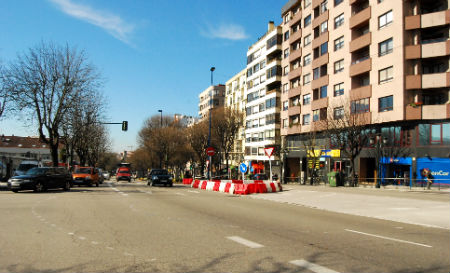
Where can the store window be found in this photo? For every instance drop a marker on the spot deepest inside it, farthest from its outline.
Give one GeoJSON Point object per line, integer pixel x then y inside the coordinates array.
{"type": "Point", "coordinates": [434, 134]}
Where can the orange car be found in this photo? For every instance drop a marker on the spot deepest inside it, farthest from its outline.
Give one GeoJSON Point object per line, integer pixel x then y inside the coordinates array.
{"type": "Point", "coordinates": [85, 176]}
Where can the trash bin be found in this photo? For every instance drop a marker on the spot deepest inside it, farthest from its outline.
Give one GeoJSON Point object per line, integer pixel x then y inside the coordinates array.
{"type": "Point", "coordinates": [332, 179]}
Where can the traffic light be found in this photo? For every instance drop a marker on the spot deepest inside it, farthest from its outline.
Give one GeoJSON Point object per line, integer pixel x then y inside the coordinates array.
{"type": "Point", "coordinates": [124, 125]}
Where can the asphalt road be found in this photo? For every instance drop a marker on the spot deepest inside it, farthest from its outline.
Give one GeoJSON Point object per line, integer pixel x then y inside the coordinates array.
{"type": "Point", "coordinates": [130, 227]}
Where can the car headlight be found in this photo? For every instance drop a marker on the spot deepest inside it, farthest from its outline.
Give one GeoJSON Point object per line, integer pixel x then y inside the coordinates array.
{"type": "Point", "coordinates": [154, 177]}
{"type": "Point", "coordinates": [170, 178]}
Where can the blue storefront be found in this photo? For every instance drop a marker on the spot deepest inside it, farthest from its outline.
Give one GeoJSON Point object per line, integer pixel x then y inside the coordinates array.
{"type": "Point", "coordinates": [439, 167]}
{"type": "Point", "coordinates": [396, 170]}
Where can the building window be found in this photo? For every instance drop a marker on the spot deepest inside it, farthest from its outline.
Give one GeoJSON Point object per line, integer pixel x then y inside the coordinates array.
{"type": "Point", "coordinates": [307, 40]}
{"type": "Point", "coordinates": [307, 59]}
{"type": "Point", "coordinates": [286, 36]}
{"type": "Point", "coordinates": [306, 119]}
{"type": "Point", "coordinates": [286, 53]}
{"type": "Point", "coordinates": [270, 103]}
{"type": "Point", "coordinates": [339, 43]}
{"type": "Point", "coordinates": [323, 48]}
{"type": "Point", "coordinates": [285, 105]}
{"type": "Point", "coordinates": [306, 99]}
{"type": "Point", "coordinates": [287, 17]}
{"type": "Point", "coordinates": [307, 3]}
{"type": "Point", "coordinates": [339, 66]}
{"type": "Point", "coordinates": [339, 89]}
{"type": "Point", "coordinates": [324, 27]}
{"type": "Point", "coordinates": [285, 88]}
{"type": "Point", "coordinates": [360, 106]}
{"type": "Point", "coordinates": [385, 19]}
{"type": "Point", "coordinates": [385, 75]}
{"type": "Point", "coordinates": [338, 113]}
{"type": "Point", "coordinates": [323, 6]}
{"type": "Point", "coordinates": [286, 70]}
{"type": "Point", "coordinates": [323, 91]}
{"type": "Point", "coordinates": [307, 21]}
{"type": "Point", "coordinates": [386, 104]}
{"type": "Point", "coordinates": [339, 21]}
{"type": "Point", "coordinates": [306, 78]}
{"type": "Point", "coordinates": [316, 115]}
{"type": "Point", "coordinates": [385, 47]}
{"type": "Point", "coordinates": [434, 134]}
{"type": "Point", "coordinates": [285, 123]}
{"type": "Point", "coordinates": [337, 2]}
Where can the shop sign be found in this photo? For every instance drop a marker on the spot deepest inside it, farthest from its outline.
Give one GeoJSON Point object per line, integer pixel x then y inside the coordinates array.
{"type": "Point", "coordinates": [325, 153]}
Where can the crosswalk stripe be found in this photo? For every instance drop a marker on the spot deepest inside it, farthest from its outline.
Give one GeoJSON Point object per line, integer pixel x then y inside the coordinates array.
{"type": "Point", "coordinates": [313, 267]}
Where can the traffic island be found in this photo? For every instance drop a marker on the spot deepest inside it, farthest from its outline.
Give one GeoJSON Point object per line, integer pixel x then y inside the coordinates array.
{"type": "Point", "coordinates": [238, 186]}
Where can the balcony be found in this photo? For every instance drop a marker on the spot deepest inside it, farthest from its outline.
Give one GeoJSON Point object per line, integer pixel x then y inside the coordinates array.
{"type": "Point", "coordinates": [360, 17]}
{"type": "Point", "coordinates": [275, 90]}
{"type": "Point", "coordinates": [412, 22]}
{"type": "Point", "coordinates": [361, 92]}
{"type": "Point", "coordinates": [437, 49]}
{"type": "Point", "coordinates": [295, 73]}
{"type": "Point", "coordinates": [320, 61]}
{"type": "Point", "coordinates": [315, 3]}
{"type": "Point", "coordinates": [296, 18]}
{"type": "Point", "coordinates": [436, 80]}
{"type": "Point", "coordinates": [319, 82]}
{"type": "Point", "coordinates": [294, 129]}
{"type": "Point", "coordinates": [320, 103]}
{"type": "Point", "coordinates": [361, 66]}
{"type": "Point", "coordinates": [295, 36]}
{"type": "Point", "coordinates": [320, 19]}
{"type": "Point", "coordinates": [413, 82]}
{"type": "Point", "coordinates": [361, 42]}
{"type": "Point", "coordinates": [434, 111]}
{"type": "Point", "coordinates": [320, 40]}
{"type": "Point", "coordinates": [413, 112]}
{"type": "Point", "coordinates": [412, 52]}
{"type": "Point", "coordinates": [434, 19]}
{"type": "Point", "coordinates": [294, 55]}
{"type": "Point", "coordinates": [294, 92]}
{"type": "Point", "coordinates": [294, 110]}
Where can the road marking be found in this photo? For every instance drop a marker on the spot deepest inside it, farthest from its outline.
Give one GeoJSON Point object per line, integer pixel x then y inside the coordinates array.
{"type": "Point", "coordinates": [387, 238]}
{"type": "Point", "coordinates": [313, 267]}
{"type": "Point", "coordinates": [94, 243]}
{"type": "Point", "coordinates": [179, 193]}
{"type": "Point", "coordinates": [245, 242]}
{"type": "Point", "coordinates": [193, 191]}
{"type": "Point", "coordinates": [71, 233]}
{"type": "Point", "coordinates": [82, 238]}
{"type": "Point", "coordinates": [328, 195]}
{"type": "Point", "coordinates": [124, 194]}
{"type": "Point", "coordinates": [127, 254]}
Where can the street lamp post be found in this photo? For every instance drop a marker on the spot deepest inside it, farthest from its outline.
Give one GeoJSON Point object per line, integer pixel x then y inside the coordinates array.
{"type": "Point", "coordinates": [210, 107]}
{"type": "Point", "coordinates": [379, 141]}
{"type": "Point", "coordinates": [160, 124]}
{"type": "Point", "coordinates": [161, 118]}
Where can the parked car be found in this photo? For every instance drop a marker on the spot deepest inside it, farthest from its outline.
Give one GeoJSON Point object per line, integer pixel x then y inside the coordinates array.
{"type": "Point", "coordinates": [86, 176]}
{"type": "Point", "coordinates": [259, 176]}
{"type": "Point", "coordinates": [160, 176]}
{"type": "Point", "coordinates": [123, 173]}
{"type": "Point", "coordinates": [106, 175]}
{"type": "Point", "coordinates": [25, 165]}
{"type": "Point", "coordinates": [40, 179]}
{"type": "Point", "coordinates": [100, 176]}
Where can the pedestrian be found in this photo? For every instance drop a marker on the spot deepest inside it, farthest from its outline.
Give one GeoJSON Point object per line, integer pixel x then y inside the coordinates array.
{"type": "Point", "coordinates": [428, 177]}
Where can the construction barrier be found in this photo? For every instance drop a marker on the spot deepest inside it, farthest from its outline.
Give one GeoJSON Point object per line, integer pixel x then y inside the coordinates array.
{"type": "Point", "coordinates": [237, 186]}
{"type": "Point", "coordinates": [188, 181]}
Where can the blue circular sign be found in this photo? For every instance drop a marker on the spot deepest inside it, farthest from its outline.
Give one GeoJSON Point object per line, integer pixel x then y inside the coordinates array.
{"type": "Point", "coordinates": [243, 168]}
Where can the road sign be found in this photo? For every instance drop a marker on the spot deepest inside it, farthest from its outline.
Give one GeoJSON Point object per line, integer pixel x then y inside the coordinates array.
{"type": "Point", "coordinates": [269, 151]}
{"type": "Point", "coordinates": [210, 151]}
{"type": "Point", "coordinates": [243, 168]}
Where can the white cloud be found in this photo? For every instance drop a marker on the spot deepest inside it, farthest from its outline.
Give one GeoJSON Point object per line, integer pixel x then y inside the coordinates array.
{"type": "Point", "coordinates": [112, 23]}
{"type": "Point", "coordinates": [226, 31]}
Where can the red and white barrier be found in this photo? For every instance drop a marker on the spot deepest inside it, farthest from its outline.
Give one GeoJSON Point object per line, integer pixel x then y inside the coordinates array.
{"type": "Point", "coordinates": [238, 186]}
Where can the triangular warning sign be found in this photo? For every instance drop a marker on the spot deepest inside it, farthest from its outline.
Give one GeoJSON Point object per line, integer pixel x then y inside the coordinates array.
{"type": "Point", "coordinates": [269, 151]}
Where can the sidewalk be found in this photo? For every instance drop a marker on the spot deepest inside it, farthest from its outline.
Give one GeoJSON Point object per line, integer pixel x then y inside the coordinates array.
{"type": "Point", "coordinates": [400, 205]}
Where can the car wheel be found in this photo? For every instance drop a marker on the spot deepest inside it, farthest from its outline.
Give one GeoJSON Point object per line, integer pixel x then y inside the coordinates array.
{"type": "Point", "coordinates": [171, 185]}
{"type": "Point", "coordinates": [90, 184]}
{"type": "Point", "coordinates": [96, 184]}
{"type": "Point", "coordinates": [67, 186]}
{"type": "Point", "coordinates": [15, 191]}
{"type": "Point", "coordinates": [39, 187]}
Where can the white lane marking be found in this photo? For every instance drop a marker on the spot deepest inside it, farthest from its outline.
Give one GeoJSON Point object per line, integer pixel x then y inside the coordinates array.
{"type": "Point", "coordinates": [313, 267]}
{"type": "Point", "coordinates": [245, 242]}
{"type": "Point", "coordinates": [401, 208]}
{"type": "Point", "coordinates": [71, 233]}
{"type": "Point", "coordinates": [127, 254]}
{"type": "Point", "coordinates": [94, 243]}
{"type": "Point", "coordinates": [387, 238]}
{"type": "Point", "coordinates": [193, 191]}
{"type": "Point", "coordinates": [115, 189]}
{"type": "Point", "coordinates": [328, 195]}
{"type": "Point", "coordinates": [179, 193]}
{"type": "Point", "coordinates": [81, 238]}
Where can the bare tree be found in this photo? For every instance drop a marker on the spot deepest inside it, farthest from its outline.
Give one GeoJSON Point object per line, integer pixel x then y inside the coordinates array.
{"type": "Point", "coordinates": [348, 131]}
{"type": "Point", "coordinates": [4, 92]}
{"type": "Point", "coordinates": [313, 146]}
{"type": "Point", "coordinates": [226, 124]}
{"type": "Point", "coordinates": [198, 140]}
{"type": "Point", "coordinates": [47, 81]}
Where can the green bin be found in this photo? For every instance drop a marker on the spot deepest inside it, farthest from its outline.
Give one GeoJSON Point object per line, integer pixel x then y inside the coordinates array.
{"type": "Point", "coordinates": [332, 179]}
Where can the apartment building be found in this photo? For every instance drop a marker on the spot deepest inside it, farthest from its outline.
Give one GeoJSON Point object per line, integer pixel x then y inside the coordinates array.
{"type": "Point", "coordinates": [211, 97]}
{"type": "Point", "coordinates": [235, 90]}
{"type": "Point", "coordinates": [262, 122]}
{"type": "Point", "coordinates": [383, 60]}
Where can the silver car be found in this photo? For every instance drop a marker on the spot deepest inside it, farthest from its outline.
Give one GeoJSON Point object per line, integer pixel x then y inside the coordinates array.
{"type": "Point", "coordinates": [106, 175]}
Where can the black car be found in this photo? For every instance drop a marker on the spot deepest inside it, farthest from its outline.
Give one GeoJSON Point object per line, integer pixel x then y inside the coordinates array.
{"type": "Point", "coordinates": [159, 176]}
{"type": "Point", "coordinates": [40, 179]}
{"type": "Point", "coordinates": [260, 176]}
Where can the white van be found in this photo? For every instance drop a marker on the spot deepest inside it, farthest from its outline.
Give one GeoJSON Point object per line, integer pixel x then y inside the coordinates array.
{"type": "Point", "coordinates": [25, 165]}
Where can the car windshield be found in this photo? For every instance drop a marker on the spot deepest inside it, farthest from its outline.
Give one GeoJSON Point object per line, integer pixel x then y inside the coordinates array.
{"type": "Point", "coordinates": [83, 170]}
{"type": "Point", "coordinates": [36, 171]}
{"type": "Point", "coordinates": [160, 172]}
{"type": "Point", "coordinates": [26, 167]}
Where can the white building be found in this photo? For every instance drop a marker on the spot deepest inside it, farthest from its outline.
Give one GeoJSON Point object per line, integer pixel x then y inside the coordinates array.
{"type": "Point", "coordinates": [263, 100]}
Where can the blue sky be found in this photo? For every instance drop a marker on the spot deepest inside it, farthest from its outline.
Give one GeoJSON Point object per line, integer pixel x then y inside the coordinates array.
{"type": "Point", "coordinates": [153, 54]}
